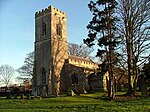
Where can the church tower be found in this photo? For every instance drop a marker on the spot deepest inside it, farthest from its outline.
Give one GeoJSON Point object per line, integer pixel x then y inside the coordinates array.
{"type": "Point", "coordinates": [51, 50]}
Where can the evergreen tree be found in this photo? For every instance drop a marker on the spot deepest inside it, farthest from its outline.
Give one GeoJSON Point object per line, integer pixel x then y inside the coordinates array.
{"type": "Point", "coordinates": [102, 30]}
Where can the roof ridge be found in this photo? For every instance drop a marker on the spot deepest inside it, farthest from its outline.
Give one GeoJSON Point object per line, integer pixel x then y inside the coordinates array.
{"type": "Point", "coordinates": [81, 58]}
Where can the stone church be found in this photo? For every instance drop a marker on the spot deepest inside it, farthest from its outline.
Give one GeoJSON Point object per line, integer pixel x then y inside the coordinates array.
{"type": "Point", "coordinates": [56, 71]}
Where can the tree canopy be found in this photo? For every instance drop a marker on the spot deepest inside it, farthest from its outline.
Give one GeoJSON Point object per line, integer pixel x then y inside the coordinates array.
{"type": "Point", "coordinates": [135, 32]}
{"type": "Point", "coordinates": [80, 50]}
{"type": "Point", "coordinates": [26, 71]}
{"type": "Point", "coordinates": [6, 73]}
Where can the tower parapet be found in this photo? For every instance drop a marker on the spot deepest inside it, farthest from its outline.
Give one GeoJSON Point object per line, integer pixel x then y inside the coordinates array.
{"type": "Point", "coordinates": [48, 10]}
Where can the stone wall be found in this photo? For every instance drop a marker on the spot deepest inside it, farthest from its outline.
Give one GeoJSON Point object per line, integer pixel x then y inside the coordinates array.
{"type": "Point", "coordinates": [51, 49]}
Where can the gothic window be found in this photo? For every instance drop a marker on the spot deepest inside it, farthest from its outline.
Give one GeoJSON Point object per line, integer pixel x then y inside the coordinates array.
{"type": "Point", "coordinates": [74, 78]}
{"type": "Point", "coordinates": [43, 28]}
{"type": "Point", "coordinates": [43, 76]}
{"type": "Point", "coordinates": [59, 29]}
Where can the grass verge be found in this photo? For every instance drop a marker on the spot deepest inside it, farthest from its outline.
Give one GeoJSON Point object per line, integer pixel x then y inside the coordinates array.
{"type": "Point", "coordinates": [82, 103]}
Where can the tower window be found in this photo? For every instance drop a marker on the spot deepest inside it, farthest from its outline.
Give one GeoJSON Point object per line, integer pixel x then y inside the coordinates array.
{"type": "Point", "coordinates": [43, 28]}
{"type": "Point", "coordinates": [59, 29]}
{"type": "Point", "coordinates": [43, 76]}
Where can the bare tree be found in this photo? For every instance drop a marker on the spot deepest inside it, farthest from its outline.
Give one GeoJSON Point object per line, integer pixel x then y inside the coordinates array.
{"type": "Point", "coordinates": [135, 30]}
{"type": "Point", "coordinates": [6, 73]}
{"type": "Point", "coordinates": [26, 71]}
{"type": "Point", "coordinates": [80, 50]}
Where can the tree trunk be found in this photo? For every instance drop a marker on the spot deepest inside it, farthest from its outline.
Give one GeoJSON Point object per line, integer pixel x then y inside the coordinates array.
{"type": "Point", "coordinates": [132, 79]}
{"type": "Point", "coordinates": [111, 92]}
{"type": "Point", "coordinates": [111, 89]}
{"type": "Point", "coordinates": [135, 80]}
{"type": "Point", "coordinates": [53, 78]}
{"type": "Point", "coordinates": [130, 91]}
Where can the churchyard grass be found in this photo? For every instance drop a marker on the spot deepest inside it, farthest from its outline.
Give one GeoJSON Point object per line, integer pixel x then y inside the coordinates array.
{"type": "Point", "coordinates": [83, 103]}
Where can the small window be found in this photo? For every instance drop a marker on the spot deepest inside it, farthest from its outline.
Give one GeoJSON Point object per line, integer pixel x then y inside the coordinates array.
{"type": "Point", "coordinates": [43, 28]}
{"type": "Point", "coordinates": [74, 78]}
{"type": "Point", "coordinates": [59, 29]}
{"type": "Point", "coordinates": [43, 76]}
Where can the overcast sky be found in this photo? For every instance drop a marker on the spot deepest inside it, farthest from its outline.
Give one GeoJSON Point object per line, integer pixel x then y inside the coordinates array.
{"type": "Point", "coordinates": [17, 30]}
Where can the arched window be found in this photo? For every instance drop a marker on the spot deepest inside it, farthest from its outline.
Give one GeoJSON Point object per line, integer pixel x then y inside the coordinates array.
{"type": "Point", "coordinates": [59, 29]}
{"type": "Point", "coordinates": [43, 28]}
{"type": "Point", "coordinates": [74, 78]}
{"type": "Point", "coordinates": [43, 76]}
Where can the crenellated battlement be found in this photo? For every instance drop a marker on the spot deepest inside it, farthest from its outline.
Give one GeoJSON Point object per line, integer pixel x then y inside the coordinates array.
{"type": "Point", "coordinates": [48, 10]}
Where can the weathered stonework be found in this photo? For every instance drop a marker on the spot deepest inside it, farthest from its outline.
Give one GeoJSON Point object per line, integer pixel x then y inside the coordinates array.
{"type": "Point", "coordinates": [51, 49]}
{"type": "Point", "coordinates": [55, 71]}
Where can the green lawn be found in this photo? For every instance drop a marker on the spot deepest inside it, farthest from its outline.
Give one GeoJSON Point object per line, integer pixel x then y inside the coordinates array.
{"type": "Point", "coordinates": [83, 103]}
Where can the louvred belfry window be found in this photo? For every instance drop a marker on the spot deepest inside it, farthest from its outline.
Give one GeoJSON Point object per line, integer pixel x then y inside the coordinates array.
{"type": "Point", "coordinates": [59, 29]}
{"type": "Point", "coordinates": [43, 28]}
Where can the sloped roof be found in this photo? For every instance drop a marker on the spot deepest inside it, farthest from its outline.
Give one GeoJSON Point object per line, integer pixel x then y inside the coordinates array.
{"type": "Point", "coordinates": [80, 58]}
